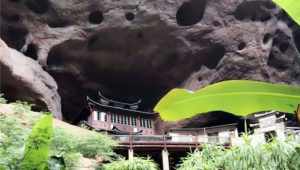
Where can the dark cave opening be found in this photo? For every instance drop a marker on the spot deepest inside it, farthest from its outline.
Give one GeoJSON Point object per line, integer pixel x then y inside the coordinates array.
{"type": "Point", "coordinates": [253, 10]}
{"type": "Point", "coordinates": [284, 46]}
{"type": "Point", "coordinates": [281, 40]}
{"type": "Point", "coordinates": [215, 54]}
{"type": "Point", "coordinates": [273, 61]}
{"type": "Point", "coordinates": [241, 45]}
{"type": "Point", "coordinates": [38, 6]}
{"type": "Point", "coordinates": [191, 12]}
{"type": "Point", "coordinates": [216, 23]}
{"type": "Point", "coordinates": [210, 119]}
{"type": "Point", "coordinates": [199, 79]}
{"type": "Point", "coordinates": [13, 34]}
{"type": "Point", "coordinates": [129, 16]}
{"type": "Point", "coordinates": [32, 51]}
{"type": "Point", "coordinates": [267, 38]}
{"type": "Point", "coordinates": [96, 17]}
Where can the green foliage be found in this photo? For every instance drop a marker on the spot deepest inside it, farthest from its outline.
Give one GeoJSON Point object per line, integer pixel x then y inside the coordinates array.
{"type": "Point", "coordinates": [2, 100]}
{"type": "Point", "coordinates": [207, 159]}
{"type": "Point", "coordinates": [71, 147]}
{"type": "Point", "coordinates": [240, 97]}
{"type": "Point", "coordinates": [96, 144]}
{"type": "Point", "coordinates": [22, 107]}
{"type": "Point", "coordinates": [12, 137]}
{"type": "Point", "coordinates": [279, 155]}
{"type": "Point", "coordinates": [134, 164]}
{"type": "Point", "coordinates": [291, 7]}
{"type": "Point", "coordinates": [37, 145]}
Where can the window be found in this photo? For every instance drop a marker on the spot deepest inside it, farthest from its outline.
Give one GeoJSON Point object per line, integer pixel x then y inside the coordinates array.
{"type": "Point", "coordinates": [102, 116]}
{"type": "Point", "coordinates": [269, 136]}
{"type": "Point", "coordinates": [148, 123]}
{"type": "Point", "coordinates": [141, 122]}
{"type": "Point", "coordinates": [113, 118]}
{"type": "Point", "coordinates": [128, 120]}
{"type": "Point", "coordinates": [213, 137]}
{"type": "Point", "coordinates": [133, 120]}
{"type": "Point", "coordinates": [118, 118]}
{"type": "Point", "coordinates": [95, 115]}
{"type": "Point", "coordinates": [125, 120]}
{"type": "Point", "coordinates": [122, 119]}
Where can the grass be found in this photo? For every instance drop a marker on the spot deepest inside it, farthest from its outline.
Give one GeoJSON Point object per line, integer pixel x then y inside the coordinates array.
{"type": "Point", "coordinates": [239, 97]}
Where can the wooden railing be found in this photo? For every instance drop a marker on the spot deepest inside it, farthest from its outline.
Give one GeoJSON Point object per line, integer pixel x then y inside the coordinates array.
{"type": "Point", "coordinates": [165, 141]}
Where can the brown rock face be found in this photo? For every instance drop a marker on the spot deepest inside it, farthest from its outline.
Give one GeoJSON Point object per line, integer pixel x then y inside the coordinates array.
{"type": "Point", "coordinates": [24, 79]}
{"type": "Point", "coordinates": [144, 48]}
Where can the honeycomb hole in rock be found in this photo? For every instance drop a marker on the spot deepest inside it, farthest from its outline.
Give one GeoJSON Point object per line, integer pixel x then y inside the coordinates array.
{"type": "Point", "coordinates": [13, 35]}
{"type": "Point", "coordinates": [253, 10]}
{"type": "Point", "coordinates": [296, 36]}
{"type": "Point", "coordinates": [216, 23]}
{"type": "Point", "coordinates": [284, 46]}
{"type": "Point", "coordinates": [190, 12]}
{"type": "Point", "coordinates": [32, 51]}
{"type": "Point", "coordinates": [216, 53]}
{"type": "Point", "coordinates": [58, 23]}
{"type": "Point", "coordinates": [199, 79]}
{"type": "Point", "coordinates": [241, 45]}
{"type": "Point", "coordinates": [267, 38]}
{"type": "Point", "coordinates": [96, 17]}
{"type": "Point", "coordinates": [129, 16]}
{"type": "Point", "coordinates": [38, 6]}
{"type": "Point", "coordinates": [274, 62]}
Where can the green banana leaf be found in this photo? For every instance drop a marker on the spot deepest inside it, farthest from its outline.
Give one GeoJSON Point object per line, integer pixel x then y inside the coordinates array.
{"type": "Point", "coordinates": [292, 7]}
{"type": "Point", "coordinates": [239, 97]}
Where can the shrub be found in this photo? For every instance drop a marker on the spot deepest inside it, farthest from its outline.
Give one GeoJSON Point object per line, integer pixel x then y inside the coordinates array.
{"type": "Point", "coordinates": [134, 164]}
{"type": "Point", "coordinates": [278, 154]}
{"type": "Point", "coordinates": [37, 145]}
{"type": "Point", "coordinates": [2, 100]}
{"type": "Point", "coordinates": [96, 145]}
{"type": "Point", "coordinates": [207, 159]}
{"type": "Point", "coordinates": [22, 107]}
{"type": "Point", "coordinates": [12, 137]}
{"type": "Point", "coordinates": [71, 148]}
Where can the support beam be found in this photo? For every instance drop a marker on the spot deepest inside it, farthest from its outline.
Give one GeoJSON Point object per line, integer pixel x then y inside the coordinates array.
{"type": "Point", "coordinates": [130, 154]}
{"type": "Point", "coordinates": [165, 159]}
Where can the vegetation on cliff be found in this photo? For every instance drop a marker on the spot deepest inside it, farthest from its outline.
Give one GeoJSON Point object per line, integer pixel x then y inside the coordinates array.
{"type": "Point", "coordinates": [28, 142]}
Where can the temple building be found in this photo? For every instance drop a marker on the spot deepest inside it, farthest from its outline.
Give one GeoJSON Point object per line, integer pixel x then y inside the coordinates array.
{"type": "Point", "coordinates": [118, 117]}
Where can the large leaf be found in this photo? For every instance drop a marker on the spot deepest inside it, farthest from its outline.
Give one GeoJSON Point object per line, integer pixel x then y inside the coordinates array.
{"type": "Point", "coordinates": [239, 97]}
{"type": "Point", "coordinates": [292, 7]}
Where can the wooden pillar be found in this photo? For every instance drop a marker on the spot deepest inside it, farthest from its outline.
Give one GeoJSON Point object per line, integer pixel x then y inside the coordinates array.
{"type": "Point", "coordinates": [165, 159]}
{"type": "Point", "coordinates": [130, 154]}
